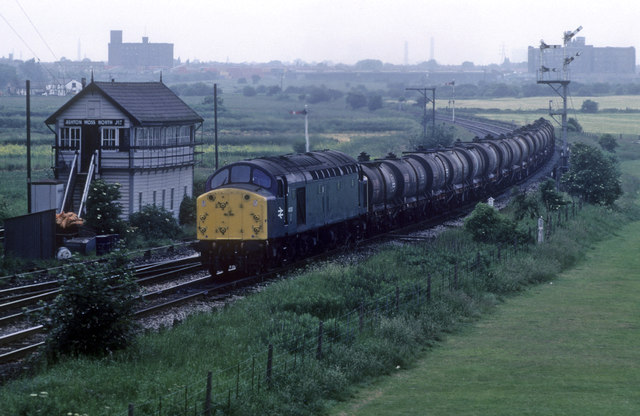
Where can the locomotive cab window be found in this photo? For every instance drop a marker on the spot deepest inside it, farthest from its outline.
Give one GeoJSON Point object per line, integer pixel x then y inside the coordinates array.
{"type": "Point", "coordinates": [240, 174]}
{"type": "Point", "coordinates": [220, 179]}
{"type": "Point", "coordinates": [260, 178]}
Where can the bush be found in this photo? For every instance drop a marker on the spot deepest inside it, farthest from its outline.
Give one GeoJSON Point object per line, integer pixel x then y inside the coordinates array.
{"type": "Point", "coordinates": [551, 199]}
{"type": "Point", "coordinates": [154, 223]}
{"type": "Point", "coordinates": [103, 212]}
{"type": "Point", "coordinates": [592, 176]}
{"type": "Point", "coordinates": [589, 106]}
{"type": "Point", "coordinates": [93, 313]}
{"type": "Point", "coordinates": [573, 125]}
{"type": "Point", "coordinates": [187, 214]}
{"type": "Point", "coordinates": [608, 143]}
{"type": "Point", "coordinates": [487, 225]}
{"type": "Point", "coordinates": [249, 91]}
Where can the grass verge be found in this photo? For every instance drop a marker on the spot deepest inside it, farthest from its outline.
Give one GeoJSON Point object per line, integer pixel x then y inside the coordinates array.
{"type": "Point", "coordinates": [568, 347]}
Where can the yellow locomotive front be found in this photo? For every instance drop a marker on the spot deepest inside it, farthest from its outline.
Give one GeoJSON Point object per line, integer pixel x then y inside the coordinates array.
{"type": "Point", "coordinates": [232, 214]}
{"type": "Point", "coordinates": [232, 225]}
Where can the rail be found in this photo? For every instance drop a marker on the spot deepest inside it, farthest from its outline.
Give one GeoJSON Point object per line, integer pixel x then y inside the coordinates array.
{"type": "Point", "coordinates": [85, 192]}
{"type": "Point", "coordinates": [69, 181]}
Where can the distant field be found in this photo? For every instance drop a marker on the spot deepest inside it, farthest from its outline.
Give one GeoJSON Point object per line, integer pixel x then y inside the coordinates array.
{"type": "Point", "coordinates": [620, 102]}
{"type": "Point", "coordinates": [612, 123]}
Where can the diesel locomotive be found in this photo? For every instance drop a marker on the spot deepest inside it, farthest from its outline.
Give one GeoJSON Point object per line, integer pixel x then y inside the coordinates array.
{"type": "Point", "coordinates": [261, 212]}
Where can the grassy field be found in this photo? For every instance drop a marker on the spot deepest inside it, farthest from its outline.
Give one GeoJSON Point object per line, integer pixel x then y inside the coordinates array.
{"type": "Point", "coordinates": [569, 347]}
{"type": "Point", "coordinates": [619, 102]}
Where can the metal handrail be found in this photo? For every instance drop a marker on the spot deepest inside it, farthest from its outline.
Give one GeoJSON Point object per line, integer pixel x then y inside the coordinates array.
{"type": "Point", "coordinates": [66, 189]}
{"type": "Point", "coordinates": [85, 192]}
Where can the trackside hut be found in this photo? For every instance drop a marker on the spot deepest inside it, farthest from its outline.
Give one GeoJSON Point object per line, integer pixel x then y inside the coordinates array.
{"type": "Point", "coordinates": [137, 134]}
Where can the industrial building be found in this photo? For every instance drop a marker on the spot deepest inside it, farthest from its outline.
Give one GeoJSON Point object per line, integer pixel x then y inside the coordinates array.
{"type": "Point", "coordinates": [586, 59]}
{"type": "Point", "coordinates": [139, 55]}
{"type": "Point", "coordinates": [137, 134]}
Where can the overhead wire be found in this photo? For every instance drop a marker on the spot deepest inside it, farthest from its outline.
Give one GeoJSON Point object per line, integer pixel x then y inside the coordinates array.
{"type": "Point", "coordinates": [37, 31]}
{"type": "Point", "coordinates": [27, 44]}
{"type": "Point", "coordinates": [20, 37]}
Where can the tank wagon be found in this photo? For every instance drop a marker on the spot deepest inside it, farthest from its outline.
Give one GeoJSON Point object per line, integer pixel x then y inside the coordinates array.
{"type": "Point", "coordinates": [261, 212]}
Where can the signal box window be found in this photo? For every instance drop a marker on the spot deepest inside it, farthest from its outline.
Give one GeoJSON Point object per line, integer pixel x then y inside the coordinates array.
{"type": "Point", "coordinates": [110, 138]}
{"type": "Point", "coordinates": [70, 137]}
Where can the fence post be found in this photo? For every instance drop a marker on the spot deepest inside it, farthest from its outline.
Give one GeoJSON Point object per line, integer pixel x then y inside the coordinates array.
{"type": "Point", "coordinates": [253, 370]}
{"type": "Point", "coordinates": [269, 363]}
{"type": "Point", "coordinates": [207, 400]}
{"type": "Point", "coordinates": [397, 299]}
{"type": "Point", "coordinates": [319, 350]}
{"type": "Point", "coordinates": [429, 287]}
{"type": "Point", "coordinates": [237, 381]}
{"type": "Point", "coordinates": [455, 276]}
{"type": "Point", "coordinates": [130, 409]}
{"type": "Point", "coordinates": [361, 317]}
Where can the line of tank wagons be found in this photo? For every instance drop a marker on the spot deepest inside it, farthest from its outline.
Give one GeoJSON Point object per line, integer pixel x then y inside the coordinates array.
{"type": "Point", "coordinates": [261, 212]}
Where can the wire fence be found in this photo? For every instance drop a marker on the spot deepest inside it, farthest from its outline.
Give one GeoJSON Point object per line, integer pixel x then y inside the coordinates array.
{"type": "Point", "coordinates": [301, 350]}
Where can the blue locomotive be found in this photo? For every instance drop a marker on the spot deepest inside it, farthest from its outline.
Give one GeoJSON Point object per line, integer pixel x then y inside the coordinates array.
{"type": "Point", "coordinates": [261, 212]}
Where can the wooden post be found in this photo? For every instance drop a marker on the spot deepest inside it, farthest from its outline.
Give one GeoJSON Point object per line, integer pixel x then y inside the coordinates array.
{"type": "Point", "coordinates": [429, 287]}
{"type": "Point", "coordinates": [361, 317]}
{"type": "Point", "coordinates": [455, 276]}
{"type": "Point", "coordinates": [253, 370]}
{"type": "Point", "coordinates": [237, 381]}
{"type": "Point", "coordinates": [215, 120]}
{"type": "Point", "coordinates": [319, 350]}
{"type": "Point", "coordinates": [207, 399]}
{"type": "Point", "coordinates": [29, 146]}
{"type": "Point", "coordinates": [130, 409]}
{"type": "Point", "coordinates": [397, 298]}
{"type": "Point", "coordinates": [269, 363]}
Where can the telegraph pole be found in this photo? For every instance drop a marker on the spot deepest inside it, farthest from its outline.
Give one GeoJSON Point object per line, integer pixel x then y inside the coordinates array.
{"type": "Point", "coordinates": [215, 121]}
{"type": "Point", "coordinates": [423, 92]}
{"type": "Point", "coordinates": [28, 86]}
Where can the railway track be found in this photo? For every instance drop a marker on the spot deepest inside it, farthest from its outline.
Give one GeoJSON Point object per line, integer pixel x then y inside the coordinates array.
{"type": "Point", "coordinates": [478, 126]}
{"type": "Point", "coordinates": [17, 340]}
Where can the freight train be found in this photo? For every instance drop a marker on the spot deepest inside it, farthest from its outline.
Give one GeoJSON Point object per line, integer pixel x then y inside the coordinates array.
{"type": "Point", "coordinates": [263, 212]}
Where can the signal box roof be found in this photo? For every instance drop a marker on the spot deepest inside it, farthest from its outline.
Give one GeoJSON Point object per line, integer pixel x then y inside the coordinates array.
{"type": "Point", "coordinates": [145, 103]}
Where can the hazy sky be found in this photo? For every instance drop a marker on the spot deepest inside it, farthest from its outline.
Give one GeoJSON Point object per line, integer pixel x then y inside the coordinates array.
{"type": "Point", "coordinates": [338, 31]}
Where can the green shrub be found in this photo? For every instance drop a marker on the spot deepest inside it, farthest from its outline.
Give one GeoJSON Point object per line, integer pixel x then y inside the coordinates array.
{"type": "Point", "coordinates": [93, 313]}
{"type": "Point", "coordinates": [487, 225]}
{"type": "Point", "coordinates": [154, 223]}
{"type": "Point", "coordinates": [592, 176]}
{"type": "Point", "coordinates": [187, 214]}
{"type": "Point", "coordinates": [103, 213]}
{"type": "Point", "coordinates": [608, 143]}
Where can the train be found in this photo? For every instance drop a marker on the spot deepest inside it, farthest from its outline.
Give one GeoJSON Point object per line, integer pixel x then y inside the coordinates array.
{"type": "Point", "coordinates": [264, 212]}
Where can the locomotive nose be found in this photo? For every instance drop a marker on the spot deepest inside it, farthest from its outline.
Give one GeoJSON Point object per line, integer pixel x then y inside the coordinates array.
{"type": "Point", "coordinates": [231, 214]}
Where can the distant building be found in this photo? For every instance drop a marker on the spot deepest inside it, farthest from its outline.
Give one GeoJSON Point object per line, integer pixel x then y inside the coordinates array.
{"type": "Point", "coordinates": [136, 55]}
{"type": "Point", "coordinates": [591, 59]}
{"type": "Point", "coordinates": [137, 134]}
